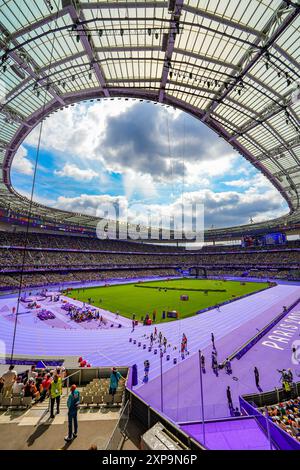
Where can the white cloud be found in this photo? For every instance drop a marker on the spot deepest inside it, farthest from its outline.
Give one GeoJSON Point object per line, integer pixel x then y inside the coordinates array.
{"type": "Point", "coordinates": [156, 153]}
{"type": "Point", "coordinates": [241, 183]}
{"type": "Point", "coordinates": [201, 172]}
{"type": "Point", "coordinates": [72, 171]}
{"type": "Point", "coordinates": [138, 183]}
{"type": "Point", "coordinates": [77, 131]}
{"type": "Point", "coordinates": [94, 205]}
{"type": "Point", "coordinates": [221, 209]}
{"type": "Point", "coordinates": [21, 164]}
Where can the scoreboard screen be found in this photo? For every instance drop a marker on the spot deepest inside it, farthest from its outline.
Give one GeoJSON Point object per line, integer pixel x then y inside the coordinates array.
{"type": "Point", "coordinates": [264, 240]}
{"type": "Point", "coordinates": [275, 239]}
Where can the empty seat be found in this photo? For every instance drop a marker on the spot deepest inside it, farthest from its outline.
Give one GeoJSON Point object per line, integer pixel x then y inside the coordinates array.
{"type": "Point", "coordinates": [88, 400]}
{"type": "Point", "coordinates": [26, 401]}
{"type": "Point", "coordinates": [107, 399]}
{"type": "Point", "coordinates": [97, 399]}
{"type": "Point", "coordinates": [118, 397]}
{"type": "Point", "coordinates": [16, 401]}
{"type": "Point", "coordinates": [6, 401]}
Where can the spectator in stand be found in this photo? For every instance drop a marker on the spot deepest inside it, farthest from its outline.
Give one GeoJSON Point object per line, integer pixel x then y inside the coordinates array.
{"type": "Point", "coordinates": [55, 394]}
{"type": "Point", "coordinates": [46, 384]}
{"type": "Point", "coordinates": [18, 387]}
{"type": "Point", "coordinates": [8, 378]}
{"type": "Point", "coordinates": [30, 389]}
{"type": "Point", "coordinates": [32, 373]}
{"type": "Point", "coordinates": [38, 381]}
{"type": "Point", "coordinates": [286, 415]}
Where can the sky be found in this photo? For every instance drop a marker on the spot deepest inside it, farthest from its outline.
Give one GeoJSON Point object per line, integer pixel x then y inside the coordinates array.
{"type": "Point", "coordinates": [140, 153]}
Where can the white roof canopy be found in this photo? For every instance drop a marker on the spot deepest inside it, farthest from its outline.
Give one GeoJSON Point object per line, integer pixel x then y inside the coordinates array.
{"type": "Point", "coordinates": [232, 64]}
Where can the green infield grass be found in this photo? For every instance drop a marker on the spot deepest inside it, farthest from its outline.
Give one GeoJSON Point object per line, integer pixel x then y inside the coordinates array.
{"type": "Point", "coordinates": [145, 297]}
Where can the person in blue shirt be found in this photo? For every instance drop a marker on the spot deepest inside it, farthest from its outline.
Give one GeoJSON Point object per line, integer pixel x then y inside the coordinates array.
{"type": "Point", "coordinates": [115, 376]}
{"type": "Point", "coordinates": [73, 405]}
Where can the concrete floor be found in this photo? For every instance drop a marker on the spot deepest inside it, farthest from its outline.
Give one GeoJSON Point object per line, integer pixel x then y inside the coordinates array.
{"type": "Point", "coordinates": [51, 437]}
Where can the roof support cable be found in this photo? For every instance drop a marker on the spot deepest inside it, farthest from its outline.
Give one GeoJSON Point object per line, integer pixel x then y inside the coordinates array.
{"type": "Point", "coordinates": [31, 204]}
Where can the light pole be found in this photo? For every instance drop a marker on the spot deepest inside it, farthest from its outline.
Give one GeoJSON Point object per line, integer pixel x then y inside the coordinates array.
{"type": "Point", "coordinates": [161, 383]}
{"type": "Point", "coordinates": [202, 403]}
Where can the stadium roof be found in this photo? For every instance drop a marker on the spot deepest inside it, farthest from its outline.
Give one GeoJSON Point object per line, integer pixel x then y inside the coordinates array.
{"type": "Point", "coordinates": [232, 64]}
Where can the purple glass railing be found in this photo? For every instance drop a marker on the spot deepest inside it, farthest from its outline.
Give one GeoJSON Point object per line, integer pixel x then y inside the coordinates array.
{"type": "Point", "coordinates": [281, 439]}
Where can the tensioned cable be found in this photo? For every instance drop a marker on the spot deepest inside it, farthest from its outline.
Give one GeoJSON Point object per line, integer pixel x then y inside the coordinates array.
{"type": "Point", "coordinates": [30, 209]}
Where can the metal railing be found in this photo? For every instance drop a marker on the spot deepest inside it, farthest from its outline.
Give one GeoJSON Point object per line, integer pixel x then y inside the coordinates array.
{"type": "Point", "coordinates": [148, 417]}
{"type": "Point", "coordinates": [118, 435]}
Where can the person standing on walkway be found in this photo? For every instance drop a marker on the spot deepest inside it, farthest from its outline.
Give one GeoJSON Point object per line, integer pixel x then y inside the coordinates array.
{"type": "Point", "coordinates": [228, 366]}
{"type": "Point", "coordinates": [182, 349]}
{"type": "Point", "coordinates": [154, 316]}
{"type": "Point", "coordinates": [9, 378]}
{"type": "Point", "coordinates": [215, 365]}
{"type": "Point", "coordinates": [184, 340]}
{"type": "Point", "coordinates": [256, 375]}
{"type": "Point", "coordinates": [213, 341]}
{"type": "Point", "coordinates": [151, 340]}
{"type": "Point", "coordinates": [290, 376]}
{"type": "Point", "coordinates": [203, 363]}
{"type": "Point", "coordinates": [165, 342]}
{"type": "Point", "coordinates": [133, 326]}
{"type": "Point", "coordinates": [115, 376]}
{"type": "Point", "coordinates": [229, 398]}
{"type": "Point", "coordinates": [146, 371]}
{"type": "Point", "coordinates": [214, 354]}
{"type": "Point", "coordinates": [73, 405]}
{"type": "Point", "coordinates": [55, 394]}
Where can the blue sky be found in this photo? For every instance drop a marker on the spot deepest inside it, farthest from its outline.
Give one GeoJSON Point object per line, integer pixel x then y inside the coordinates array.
{"type": "Point", "coordinates": [140, 152]}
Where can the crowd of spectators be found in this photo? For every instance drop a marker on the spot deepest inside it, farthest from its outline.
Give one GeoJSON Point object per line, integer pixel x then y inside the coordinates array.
{"type": "Point", "coordinates": [287, 416]}
{"type": "Point", "coordinates": [65, 242]}
{"type": "Point", "coordinates": [33, 383]}
{"type": "Point", "coordinates": [42, 240]}
{"type": "Point", "coordinates": [39, 279]}
{"type": "Point", "coordinates": [257, 273]}
{"type": "Point", "coordinates": [43, 266]}
{"type": "Point", "coordinates": [37, 260]}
